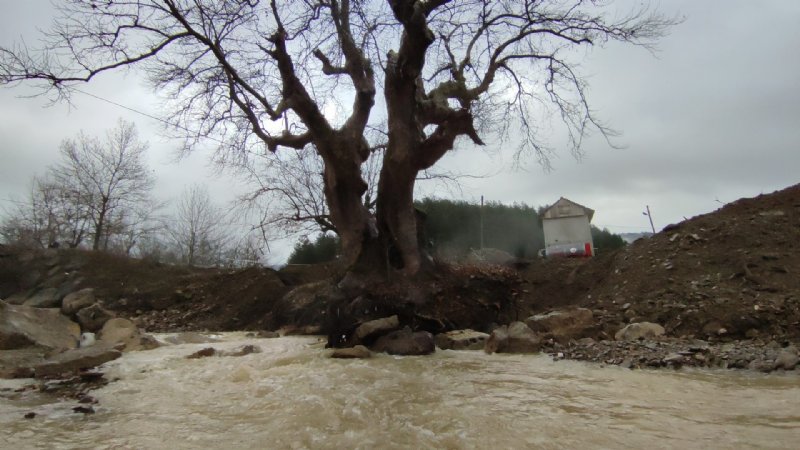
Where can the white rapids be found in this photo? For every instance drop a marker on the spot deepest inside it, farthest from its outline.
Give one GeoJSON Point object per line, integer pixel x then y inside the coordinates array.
{"type": "Point", "coordinates": [291, 395]}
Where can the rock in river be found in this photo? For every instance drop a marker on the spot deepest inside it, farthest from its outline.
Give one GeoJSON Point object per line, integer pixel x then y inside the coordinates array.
{"type": "Point", "coordinates": [461, 340]}
{"type": "Point", "coordinates": [73, 360]}
{"type": "Point", "coordinates": [357, 352]}
{"type": "Point", "coordinates": [514, 338]}
{"type": "Point", "coordinates": [122, 333]}
{"type": "Point", "coordinates": [21, 326]}
{"type": "Point", "coordinates": [405, 342]}
{"type": "Point", "coordinates": [376, 327]}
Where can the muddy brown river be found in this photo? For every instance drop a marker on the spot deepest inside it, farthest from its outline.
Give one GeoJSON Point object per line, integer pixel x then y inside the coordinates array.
{"type": "Point", "coordinates": [293, 396]}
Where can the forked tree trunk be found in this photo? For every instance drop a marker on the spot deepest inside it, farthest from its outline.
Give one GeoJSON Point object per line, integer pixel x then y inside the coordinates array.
{"type": "Point", "coordinates": [372, 245]}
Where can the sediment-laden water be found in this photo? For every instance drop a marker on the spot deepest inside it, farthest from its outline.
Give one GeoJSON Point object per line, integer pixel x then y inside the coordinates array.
{"type": "Point", "coordinates": [293, 396]}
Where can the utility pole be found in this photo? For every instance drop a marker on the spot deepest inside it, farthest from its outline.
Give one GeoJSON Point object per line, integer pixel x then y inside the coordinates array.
{"type": "Point", "coordinates": [481, 222]}
{"type": "Point", "coordinates": [650, 216]}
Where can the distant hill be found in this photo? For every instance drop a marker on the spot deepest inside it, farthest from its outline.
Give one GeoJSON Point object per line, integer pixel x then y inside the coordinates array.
{"type": "Point", "coordinates": [630, 237]}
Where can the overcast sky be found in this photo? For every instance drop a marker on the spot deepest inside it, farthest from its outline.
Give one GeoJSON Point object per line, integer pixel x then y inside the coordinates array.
{"type": "Point", "coordinates": [712, 117]}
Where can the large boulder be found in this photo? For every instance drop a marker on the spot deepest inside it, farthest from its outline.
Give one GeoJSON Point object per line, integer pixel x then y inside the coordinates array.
{"type": "Point", "coordinates": [787, 360]}
{"type": "Point", "coordinates": [78, 300]}
{"type": "Point", "coordinates": [376, 327]}
{"type": "Point", "coordinates": [639, 330]}
{"type": "Point", "coordinates": [514, 338]}
{"type": "Point", "coordinates": [124, 335]}
{"type": "Point", "coordinates": [21, 326]}
{"type": "Point", "coordinates": [17, 363]}
{"type": "Point", "coordinates": [461, 340]}
{"type": "Point", "coordinates": [93, 318]}
{"type": "Point", "coordinates": [76, 359]}
{"type": "Point", "coordinates": [45, 298]}
{"type": "Point", "coordinates": [405, 342]}
{"type": "Point", "coordinates": [563, 325]}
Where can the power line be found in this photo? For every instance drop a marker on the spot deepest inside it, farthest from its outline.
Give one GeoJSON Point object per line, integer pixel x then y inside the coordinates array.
{"type": "Point", "coordinates": [150, 116]}
{"type": "Point", "coordinates": [10, 200]}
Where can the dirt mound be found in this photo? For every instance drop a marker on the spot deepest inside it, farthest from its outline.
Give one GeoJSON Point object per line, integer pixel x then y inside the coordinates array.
{"type": "Point", "coordinates": [729, 274]}
{"type": "Point", "coordinates": [158, 297]}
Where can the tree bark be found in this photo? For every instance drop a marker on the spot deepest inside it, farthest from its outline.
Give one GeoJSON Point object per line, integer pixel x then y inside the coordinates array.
{"type": "Point", "coordinates": [99, 228]}
{"type": "Point", "coordinates": [396, 216]}
{"type": "Point", "coordinates": [344, 188]}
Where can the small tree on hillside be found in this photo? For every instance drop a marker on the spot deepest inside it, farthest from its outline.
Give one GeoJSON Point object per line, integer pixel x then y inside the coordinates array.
{"type": "Point", "coordinates": [196, 229]}
{"type": "Point", "coordinates": [50, 215]}
{"type": "Point", "coordinates": [107, 178]}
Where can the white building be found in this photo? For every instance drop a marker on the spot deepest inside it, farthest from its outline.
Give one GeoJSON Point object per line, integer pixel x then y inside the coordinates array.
{"type": "Point", "coordinates": [566, 229]}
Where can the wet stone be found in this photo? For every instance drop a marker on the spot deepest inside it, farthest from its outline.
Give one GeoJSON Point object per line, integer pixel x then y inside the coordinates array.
{"type": "Point", "coordinates": [357, 352]}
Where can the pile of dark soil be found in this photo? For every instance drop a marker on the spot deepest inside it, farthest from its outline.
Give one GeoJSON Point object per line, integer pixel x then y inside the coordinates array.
{"type": "Point", "coordinates": [729, 274]}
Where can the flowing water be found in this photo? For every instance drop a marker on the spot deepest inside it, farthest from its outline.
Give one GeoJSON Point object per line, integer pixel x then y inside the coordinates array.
{"type": "Point", "coordinates": [293, 396]}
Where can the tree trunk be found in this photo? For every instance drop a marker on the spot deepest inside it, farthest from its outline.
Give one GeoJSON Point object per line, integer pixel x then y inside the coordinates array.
{"type": "Point", "coordinates": [98, 230]}
{"type": "Point", "coordinates": [396, 216]}
{"type": "Point", "coordinates": [344, 187]}
{"type": "Point", "coordinates": [395, 203]}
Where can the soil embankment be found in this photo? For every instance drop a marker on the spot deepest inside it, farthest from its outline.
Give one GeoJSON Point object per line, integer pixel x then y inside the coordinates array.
{"type": "Point", "coordinates": [730, 276]}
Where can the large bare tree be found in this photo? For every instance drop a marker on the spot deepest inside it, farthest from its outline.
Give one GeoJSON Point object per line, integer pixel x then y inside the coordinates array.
{"type": "Point", "coordinates": [303, 75]}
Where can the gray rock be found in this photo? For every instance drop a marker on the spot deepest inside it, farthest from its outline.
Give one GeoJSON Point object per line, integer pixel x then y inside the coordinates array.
{"type": "Point", "coordinates": [497, 341]}
{"type": "Point", "coordinates": [640, 330]}
{"type": "Point", "coordinates": [357, 352]}
{"type": "Point", "coordinates": [76, 301]}
{"type": "Point", "coordinates": [264, 334]}
{"type": "Point", "coordinates": [461, 340]}
{"type": "Point", "coordinates": [76, 359]}
{"type": "Point", "coordinates": [242, 350]}
{"type": "Point", "coordinates": [514, 338]}
{"type": "Point", "coordinates": [93, 318]}
{"type": "Point", "coordinates": [190, 338]}
{"type": "Point", "coordinates": [564, 324]}
{"type": "Point", "coordinates": [17, 298]}
{"type": "Point", "coordinates": [786, 360]}
{"type": "Point", "coordinates": [45, 298]}
{"type": "Point", "coordinates": [405, 342]}
{"type": "Point", "coordinates": [17, 363]}
{"type": "Point", "coordinates": [203, 353]}
{"type": "Point", "coordinates": [761, 366]}
{"type": "Point", "coordinates": [124, 335]}
{"type": "Point", "coordinates": [376, 327]}
{"type": "Point", "coordinates": [21, 326]}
